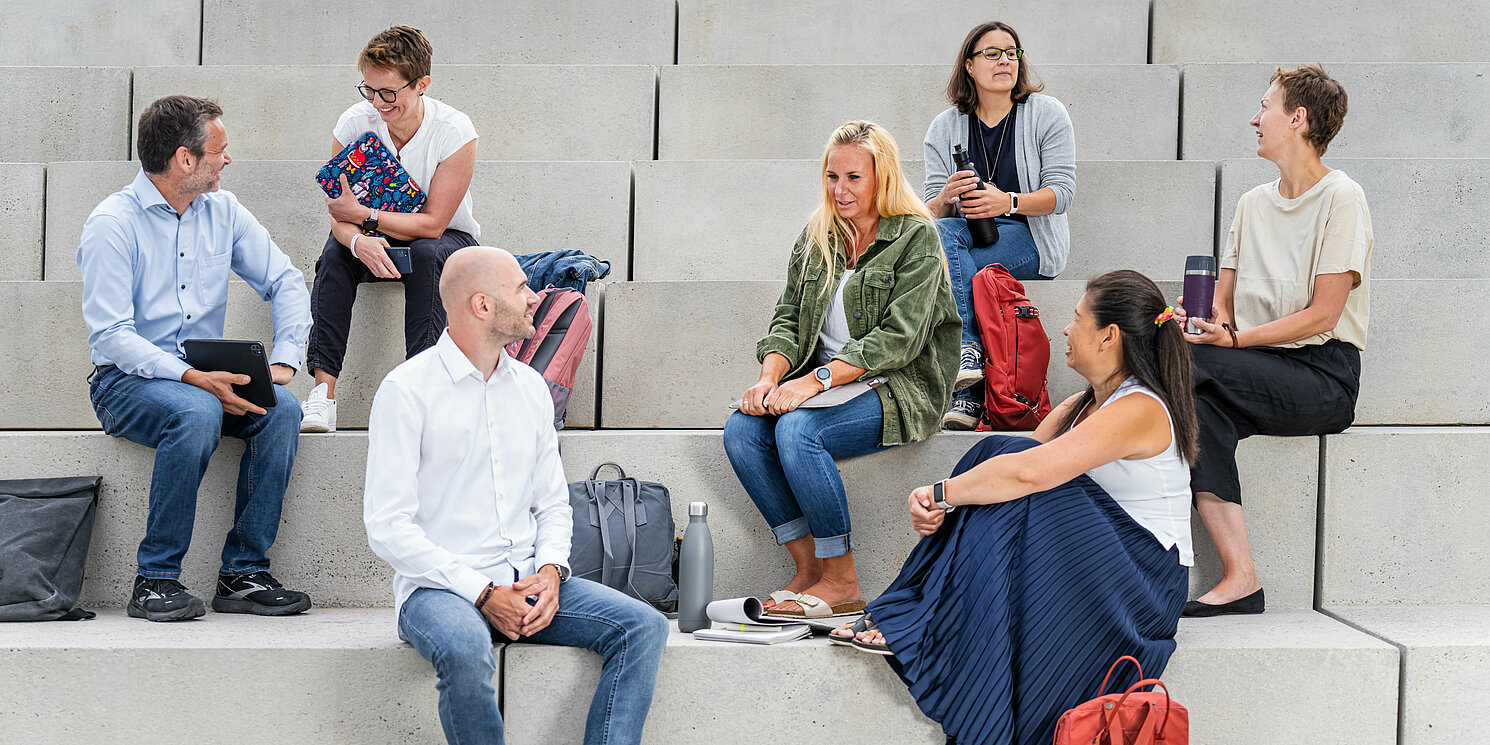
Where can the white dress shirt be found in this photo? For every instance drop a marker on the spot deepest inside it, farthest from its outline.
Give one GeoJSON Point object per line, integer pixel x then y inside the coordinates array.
{"type": "Point", "coordinates": [464, 485]}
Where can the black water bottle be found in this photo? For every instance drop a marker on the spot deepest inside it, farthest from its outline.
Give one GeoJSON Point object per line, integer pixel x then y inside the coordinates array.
{"type": "Point", "coordinates": [984, 230]}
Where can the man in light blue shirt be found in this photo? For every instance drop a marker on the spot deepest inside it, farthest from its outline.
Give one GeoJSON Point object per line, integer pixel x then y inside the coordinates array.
{"type": "Point", "coordinates": [155, 259]}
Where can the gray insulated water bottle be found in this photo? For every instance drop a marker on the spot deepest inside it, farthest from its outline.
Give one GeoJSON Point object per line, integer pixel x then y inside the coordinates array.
{"type": "Point", "coordinates": [695, 570]}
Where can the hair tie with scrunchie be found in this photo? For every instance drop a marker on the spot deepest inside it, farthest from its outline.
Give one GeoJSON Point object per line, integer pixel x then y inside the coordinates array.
{"type": "Point", "coordinates": [1165, 316]}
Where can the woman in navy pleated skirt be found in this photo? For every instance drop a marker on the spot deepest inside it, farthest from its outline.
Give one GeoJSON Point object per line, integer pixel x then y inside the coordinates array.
{"type": "Point", "coordinates": [1045, 559]}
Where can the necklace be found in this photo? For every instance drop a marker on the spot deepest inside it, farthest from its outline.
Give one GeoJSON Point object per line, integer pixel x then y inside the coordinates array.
{"type": "Point", "coordinates": [983, 145]}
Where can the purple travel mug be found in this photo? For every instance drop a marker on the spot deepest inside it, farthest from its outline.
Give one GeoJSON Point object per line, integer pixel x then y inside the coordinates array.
{"type": "Point", "coordinates": [1200, 289]}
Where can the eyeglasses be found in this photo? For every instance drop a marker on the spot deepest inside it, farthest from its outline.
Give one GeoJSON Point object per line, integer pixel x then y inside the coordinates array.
{"type": "Point", "coordinates": [389, 95]}
{"type": "Point", "coordinates": [994, 53]}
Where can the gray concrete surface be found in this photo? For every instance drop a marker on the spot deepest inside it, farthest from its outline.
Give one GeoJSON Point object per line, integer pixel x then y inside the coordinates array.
{"type": "Point", "coordinates": [1220, 99]}
{"type": "Point", "coordinates": [1287, 678]}
{"type": "Point", "coordinates": [718, 32]}
{"type": "Point", "coordinates": [713, 220]}
{"type": "Point", "coordinates": [1404, 517]}
{"type": "Point", "coordinates": [22, 212]}
{"type": "Point", "coordinates": [1445, 652]}
{"type": "Point", "coordinates": [1425, 212]}
{"type": "Point", "coordinates": [71, 113]}
{"type": "Point", "coordinates": [525, 32]}
{"type": "Point", "coordinates": [288, 112]}
{"type": "Point", "coordinates": [1417, 373]}
{"type": "Point", "coordinates": [101, 32]}
{"type": "Point", "coordinates": [720, 111]}
{"type": "Point", "coordinates": [514, 201]}
{"type": "Point", "coordinates": [1339, 31]}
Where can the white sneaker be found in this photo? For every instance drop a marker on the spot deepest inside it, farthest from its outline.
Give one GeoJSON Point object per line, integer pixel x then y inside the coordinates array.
{"type": "Point", "coordinates": [318, 413]}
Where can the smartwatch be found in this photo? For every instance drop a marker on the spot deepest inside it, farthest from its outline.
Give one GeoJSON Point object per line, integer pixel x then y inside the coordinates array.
{"type": "Point", "coordinates": [1013, 204]}
{"type": "Point", "coordinates": [824, 376]}
{"type": "Point", "coordinates": [371, 223]}
{"type": "Point", "coordinates": [939, 495]}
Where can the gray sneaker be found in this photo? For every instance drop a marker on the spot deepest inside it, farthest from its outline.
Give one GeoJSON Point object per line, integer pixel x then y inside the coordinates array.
{"type": "Point", "coordinates": [964, 414]}
{"type": "Point", "coordinates": [970, 369]}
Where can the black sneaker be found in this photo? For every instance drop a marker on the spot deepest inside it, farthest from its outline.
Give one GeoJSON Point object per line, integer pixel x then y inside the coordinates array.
{"type": "Point", "coordinates": [964, 414]}
{"type": "Point", "coordinates": [969, 368]}
{"type": "Point", "coordinates": [257, 593]}
{"type": "Point", "coordinates": [163, 600]}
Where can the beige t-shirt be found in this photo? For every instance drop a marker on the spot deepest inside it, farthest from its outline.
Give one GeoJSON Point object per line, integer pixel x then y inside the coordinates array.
{"type": "Point", "coordinates": [1278, 246]}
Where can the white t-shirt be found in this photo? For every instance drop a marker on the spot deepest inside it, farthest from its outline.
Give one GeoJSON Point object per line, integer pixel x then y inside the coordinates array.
{"type": "Point", "coordinates": [443, 131]}
{"type": "Point", "coordinates": [834, 333]}
{"type": "Point", "coordinates": [1155, 491]}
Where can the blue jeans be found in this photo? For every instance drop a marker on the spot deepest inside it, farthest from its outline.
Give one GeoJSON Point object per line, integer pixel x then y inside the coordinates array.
{"type": "Point", "coordinates": [184, 424]}
{"type": "Point", "coordinates": [786, 465]}
{"type": "Point", "coordinates": [1015, 250]}
{"type": "Point", "coordinates": [628, 635]}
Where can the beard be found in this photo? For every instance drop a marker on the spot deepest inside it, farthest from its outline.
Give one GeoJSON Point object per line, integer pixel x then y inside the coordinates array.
{"type": "Point", "coordinates": [507, 327]}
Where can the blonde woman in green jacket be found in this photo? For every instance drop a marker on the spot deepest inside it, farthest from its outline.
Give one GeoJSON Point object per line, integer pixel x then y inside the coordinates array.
{"type": "Point", "coordinates": [867, 295]}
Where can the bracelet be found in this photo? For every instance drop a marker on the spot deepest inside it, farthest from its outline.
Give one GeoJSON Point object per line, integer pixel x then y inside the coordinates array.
{"type": "Point", "coordinates": [353, 247]}
{"type": "Point", "coordinates": [485, 595]}
{"type": "Point", "coordinates": [1227, 326]}
{"type": "Point", "coordinates": [1013, 204]}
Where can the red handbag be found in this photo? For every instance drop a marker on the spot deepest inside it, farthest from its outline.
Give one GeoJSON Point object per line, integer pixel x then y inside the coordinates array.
{"type": "Point", "coordinates": [1129, 718]}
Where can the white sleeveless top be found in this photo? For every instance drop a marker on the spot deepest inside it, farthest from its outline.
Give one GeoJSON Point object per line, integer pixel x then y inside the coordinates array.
{"type": "Point", "coordinates": [1154, 491]}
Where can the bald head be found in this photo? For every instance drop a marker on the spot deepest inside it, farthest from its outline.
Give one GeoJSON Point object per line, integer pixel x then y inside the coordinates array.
{"type": "Point", "coordinates": [472, 270]}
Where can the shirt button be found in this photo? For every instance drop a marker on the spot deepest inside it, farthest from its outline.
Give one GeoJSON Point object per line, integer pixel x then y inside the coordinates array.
{"type": "Point", "coordinates": [183, 256]}
{"type": "Point", "coordinates": [183, 287]}
{"type": "Point", "coordinates": [857, 314]}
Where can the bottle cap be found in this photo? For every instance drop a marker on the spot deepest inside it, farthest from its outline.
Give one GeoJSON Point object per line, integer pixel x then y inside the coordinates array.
{"type": "Point", "coordinates": [1202, 264]}
{"type": "Point", "coordinates": [698, 509]}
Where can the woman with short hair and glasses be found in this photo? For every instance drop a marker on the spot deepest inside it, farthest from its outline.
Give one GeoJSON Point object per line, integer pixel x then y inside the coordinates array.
{"type": "Point", "coordinates": [1024, 154]}
{"type": "Point", "coordinates": [436, 144]}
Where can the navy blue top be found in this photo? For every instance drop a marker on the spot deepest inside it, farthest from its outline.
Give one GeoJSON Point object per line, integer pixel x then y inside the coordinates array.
{"type": "Point", "coordinates": [986, 154]}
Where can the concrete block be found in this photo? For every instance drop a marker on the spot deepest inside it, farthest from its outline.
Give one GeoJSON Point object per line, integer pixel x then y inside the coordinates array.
{"type": "Point", "coordinates": [1445, 651]}
{"type": "Point", "coordinates": [735, 229]}
{"type": "Point", "coordinates": [701, 107]}
{"type": "Point", "coordinates": [55, 353]}
{"type": "Point", "coordinates": [328, 676]}
{"type": "Point", "coordinates": [71, 113]}
{"type": "Point", "coordinates": [526, 32]}
{"type": "Point", "coordinates": [513, 202]}
{"type": "Point", "coordinates": [99, 32]}
{"type": "Point", "coordinates": [288, 112]}
{"type": "Point", "coordinates": [1219, 101]}
{"type": "Point", "coordinates": [1308, 680]}
{"type": "Point", "coordinates": [717, 32]}
{"type": "Point", "coordinates": [1343, 31]}
{"type": "Point", "coordinates": [22, 212]}
{"type": "Point", "coordinates": [1425, 211]}
{"type": "Point", "coordinates": [1449, 390]}
{"type": "Point", "coordinates": [1404, 516]}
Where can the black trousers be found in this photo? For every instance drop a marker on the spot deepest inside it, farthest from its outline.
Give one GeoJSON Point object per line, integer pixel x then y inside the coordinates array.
{"type": "Point", "coordinates": [1267, 391]}
{"type": "Point", "coordinates": [338, 273]}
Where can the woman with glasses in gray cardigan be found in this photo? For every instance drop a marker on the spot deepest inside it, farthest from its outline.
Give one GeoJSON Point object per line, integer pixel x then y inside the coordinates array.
{"type": "Point", "coordinates": [1024, 153]}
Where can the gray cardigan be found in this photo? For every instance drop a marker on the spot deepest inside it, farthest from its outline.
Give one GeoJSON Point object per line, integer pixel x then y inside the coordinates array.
{"type": "Point", "coordinates": [1043, 144]}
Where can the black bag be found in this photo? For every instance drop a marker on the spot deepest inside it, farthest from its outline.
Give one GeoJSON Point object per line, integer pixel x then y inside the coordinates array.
{"type": "Point", "coordinates": [45, 528]}
{"type": "Point", "coordinates": [623, 537]}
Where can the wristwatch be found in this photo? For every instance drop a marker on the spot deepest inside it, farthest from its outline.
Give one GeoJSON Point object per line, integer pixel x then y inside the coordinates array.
{"type": "Point", "coordinates": [824, 376]}
{"type": "Point", "coordinates": [939, 495]}
{"type": "Point", "coordinates": [563, 571]}
{"type": "Point", "coordinates": [371, 223]}
{"type": "Point", "coordinates": [1013, 204]}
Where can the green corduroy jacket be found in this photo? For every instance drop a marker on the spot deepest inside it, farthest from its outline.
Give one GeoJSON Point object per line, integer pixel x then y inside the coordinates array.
{"type": "Point", "coordinates": [902, 322]}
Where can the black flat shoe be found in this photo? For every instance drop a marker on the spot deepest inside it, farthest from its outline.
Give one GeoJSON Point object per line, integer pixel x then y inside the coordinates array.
{"type": "Point", "coordinates": [1252, 604]}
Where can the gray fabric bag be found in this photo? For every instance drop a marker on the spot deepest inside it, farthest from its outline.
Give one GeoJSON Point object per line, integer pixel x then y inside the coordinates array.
{"type": "Point", "coordinates": [623, 537]}
{"type": "Point", "coordinates": [45, 528]}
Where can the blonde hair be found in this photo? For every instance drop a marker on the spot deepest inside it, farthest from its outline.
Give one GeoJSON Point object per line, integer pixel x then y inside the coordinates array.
{"type": "Point", "coordinates": [893, 194]}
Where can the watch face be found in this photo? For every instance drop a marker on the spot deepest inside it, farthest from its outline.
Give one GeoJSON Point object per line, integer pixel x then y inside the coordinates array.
{"type": "Point", "coordinates": [824, 373]}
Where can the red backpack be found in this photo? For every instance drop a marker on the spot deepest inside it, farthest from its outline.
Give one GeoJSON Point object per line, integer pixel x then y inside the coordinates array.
{"type": "Point", "coordinates": [1016, 352]}
{"type": "Point", "coordinates": [561, 331]}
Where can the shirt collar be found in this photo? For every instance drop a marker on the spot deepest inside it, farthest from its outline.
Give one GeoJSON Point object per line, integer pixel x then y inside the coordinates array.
{"type": "Point", "coordinates": [458, 365]}
{"type": "Point", "coordinates": [146, 192]}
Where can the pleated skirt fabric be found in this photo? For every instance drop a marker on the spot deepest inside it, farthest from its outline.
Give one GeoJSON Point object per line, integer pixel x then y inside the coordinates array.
{"type": "Point", "coordinates": [1010, 614]}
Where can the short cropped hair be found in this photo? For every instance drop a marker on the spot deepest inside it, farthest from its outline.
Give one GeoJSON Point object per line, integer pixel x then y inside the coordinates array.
{"type": "Point", "coordinates": [962, 93]}
{"type": "Point", "coordinates": [401, 49]}
{"type": "Point", "coordinates": [1322, 96]}
{"type": "Point", "coordinates": [172, 123]}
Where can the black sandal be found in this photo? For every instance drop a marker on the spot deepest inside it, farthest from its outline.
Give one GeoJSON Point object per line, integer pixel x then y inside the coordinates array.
{"type": "Point", "coordinates": [879, 649]}
{"type": "Point", "coordinates": [859, 626]}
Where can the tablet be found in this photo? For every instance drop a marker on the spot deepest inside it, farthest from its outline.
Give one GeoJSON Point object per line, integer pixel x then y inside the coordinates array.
{"type": "Point", "coordinates": [235, 356]}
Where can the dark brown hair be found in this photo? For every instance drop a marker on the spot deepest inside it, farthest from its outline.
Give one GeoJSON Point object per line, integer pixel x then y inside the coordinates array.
{"type": "Point", "coordinates": [402, 49]}
{"type": "Point", "coordinates": [963, 93]}
{"type": "Point", "coordinates": [170, 124]}
{"type": "Point", "coordinates": [1156, 354]}
{"type": "Point", "coordinates": [1319, 94]}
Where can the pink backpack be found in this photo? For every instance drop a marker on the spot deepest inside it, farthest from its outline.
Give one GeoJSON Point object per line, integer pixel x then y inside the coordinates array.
{"type": "Point", "coordinates": [561, 332]}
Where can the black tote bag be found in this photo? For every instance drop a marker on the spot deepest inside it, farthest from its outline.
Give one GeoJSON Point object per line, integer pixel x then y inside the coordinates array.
{"type": "Point", "coordinates": [45, 528]}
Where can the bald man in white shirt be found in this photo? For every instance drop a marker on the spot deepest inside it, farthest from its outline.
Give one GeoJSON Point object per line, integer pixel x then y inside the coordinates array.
{"type": "Point", "coordinates": [465, 497]}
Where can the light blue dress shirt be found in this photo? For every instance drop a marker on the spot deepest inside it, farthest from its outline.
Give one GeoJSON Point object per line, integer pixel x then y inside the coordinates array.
{"type": "Point", "coordinates": [152, 281]}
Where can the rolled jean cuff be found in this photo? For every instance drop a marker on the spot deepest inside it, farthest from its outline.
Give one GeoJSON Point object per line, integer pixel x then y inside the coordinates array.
{"type": "Point", "coordinates": [833, 546]}
{"type": "Point", "coordinates": [791, 531]}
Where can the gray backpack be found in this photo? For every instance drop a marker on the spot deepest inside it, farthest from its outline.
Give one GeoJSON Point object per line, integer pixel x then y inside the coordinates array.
{"type": "Point", "coordinates": [623, 537]}
{"type": "Point", "coordinates": [45, 528]}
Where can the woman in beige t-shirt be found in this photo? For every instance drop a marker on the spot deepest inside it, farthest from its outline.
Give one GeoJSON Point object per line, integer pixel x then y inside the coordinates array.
{"type": "Point", "coordinates": [1283, 355]}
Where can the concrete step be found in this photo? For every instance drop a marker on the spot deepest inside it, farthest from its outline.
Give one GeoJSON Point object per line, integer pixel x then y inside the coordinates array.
{"type": "Point", "coordinates": [523, 32]}
{"type": "Point", "coordinates": [99, 32]}
{"type": "Point", "coordinates": [1189, 31]}
{"type": "Point", "coordinates": [1283, 678]}
{"type": "Point", "coordinates": [50, 355]}
{"type": "Point", "coordinates": [1220, 100]}
{"type": "Point", "coordinates": [514, 201]}
{"type": "Point", "coordinates": [322, 547]}
{"type": "Point", "coordinates": [22, 209]}
{"type": "Point", "coordinates": [1443, 238]}
{"type": "Point", "coordinates": [287, 112]}
{"type": "Point", "coordinates": [701, 107]}
{"type": "Point", "coordinates": [1445, 652]}
{"type": "Point", "coordinates": [60, 100]}
{"type": "Point", "coordinates": [741, 230]}
{"type": "Point", "coordinates": [718, 32]}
